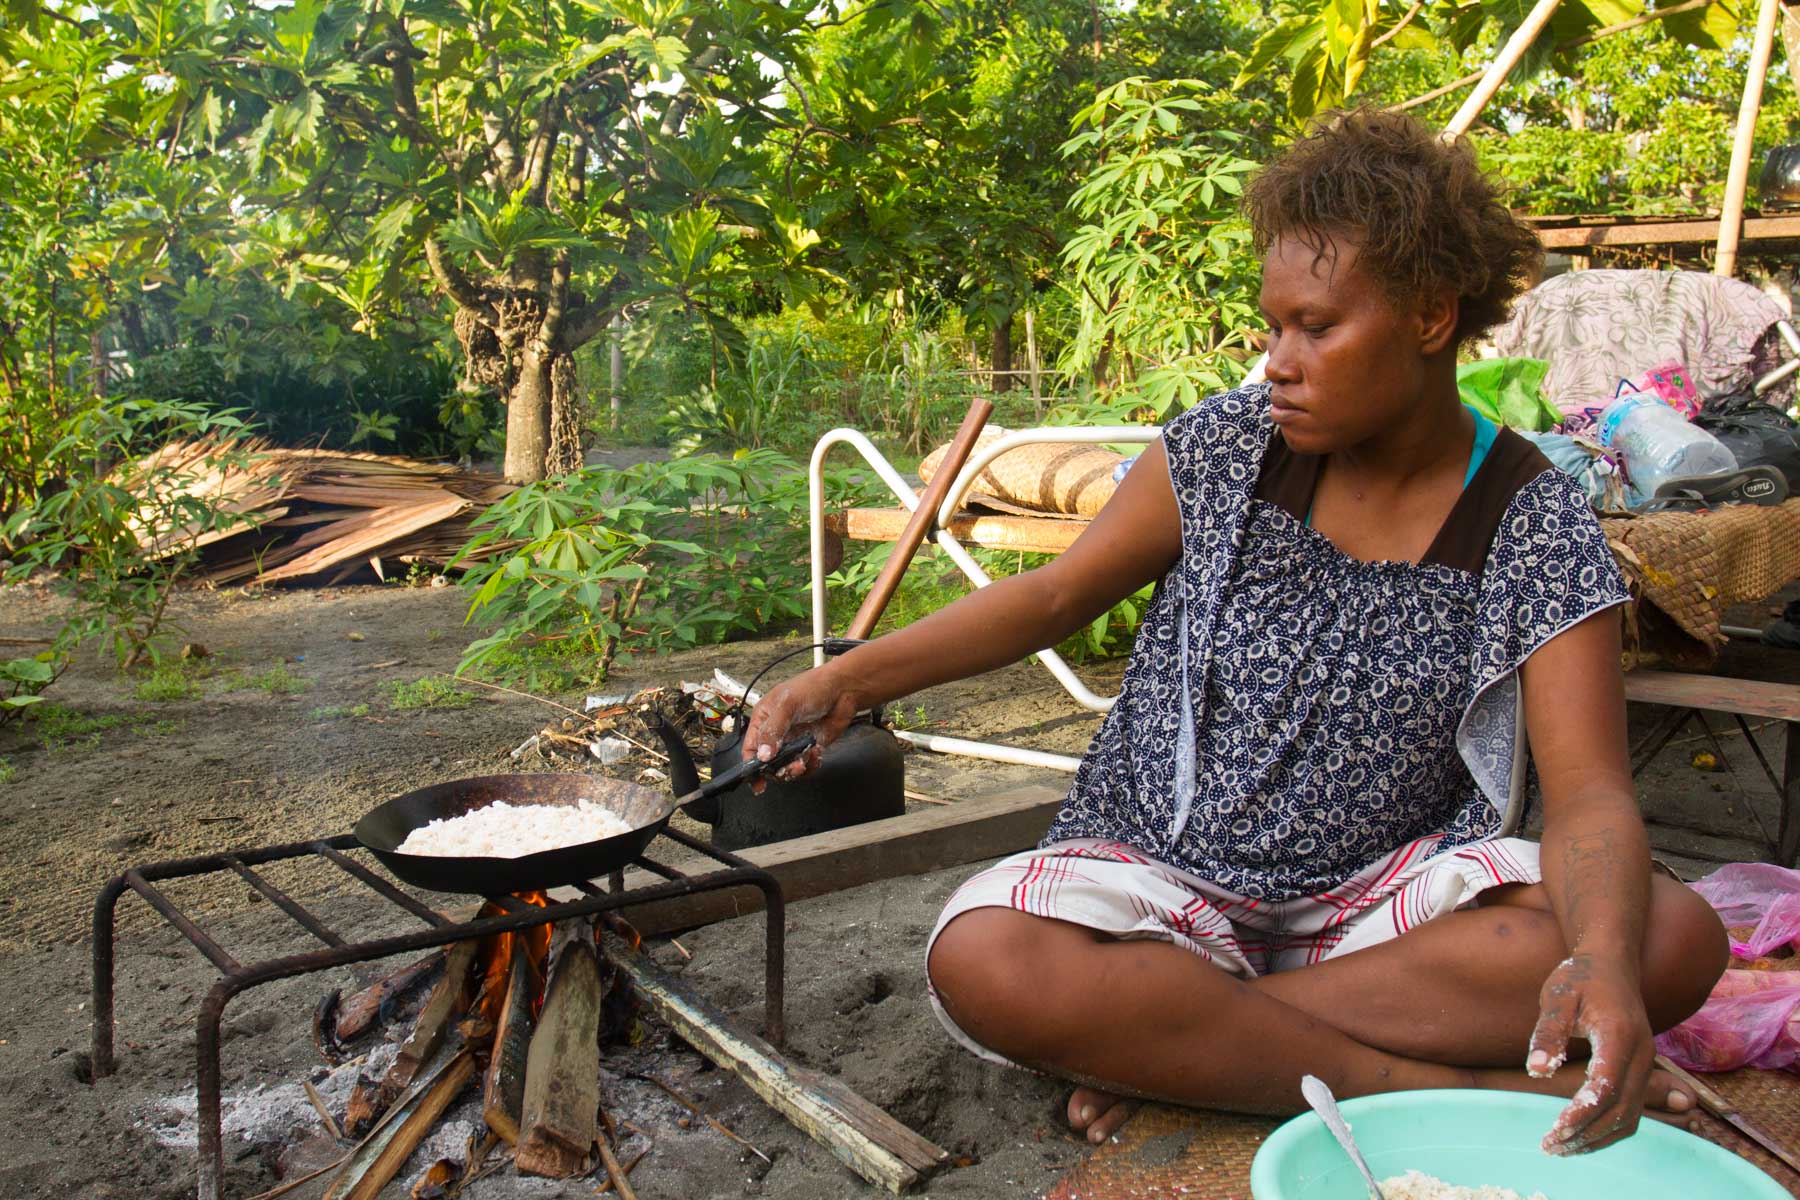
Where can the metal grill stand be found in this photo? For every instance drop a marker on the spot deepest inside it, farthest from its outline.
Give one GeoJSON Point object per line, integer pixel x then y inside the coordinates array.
{"type": "Point", "coordinates": [440, 930]}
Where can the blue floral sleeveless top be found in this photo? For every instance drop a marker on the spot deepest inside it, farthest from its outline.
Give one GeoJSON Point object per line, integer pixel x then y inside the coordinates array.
{"type": "Point", "coordinates": [1289, 714]}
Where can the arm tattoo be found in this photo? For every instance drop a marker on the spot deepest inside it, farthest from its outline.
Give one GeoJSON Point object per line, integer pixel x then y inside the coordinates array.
{"type": "Point", "coordinates": [1591, 865]}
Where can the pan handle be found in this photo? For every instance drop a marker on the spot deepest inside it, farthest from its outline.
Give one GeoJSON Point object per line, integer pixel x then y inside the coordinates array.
{"type": "Point", "coordinates": [750, 768]}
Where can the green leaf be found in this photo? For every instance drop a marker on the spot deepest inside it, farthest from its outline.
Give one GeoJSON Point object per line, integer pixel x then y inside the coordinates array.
{"type": "Point", "coordinates": [1715, 27]}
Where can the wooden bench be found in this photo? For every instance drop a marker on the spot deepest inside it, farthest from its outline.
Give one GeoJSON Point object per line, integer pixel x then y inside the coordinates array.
{"type": "Point", "coordinates": [1691, 696]}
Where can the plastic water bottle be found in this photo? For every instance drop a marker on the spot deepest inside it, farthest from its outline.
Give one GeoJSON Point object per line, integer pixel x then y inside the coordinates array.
{"type": "Point", "coordinates": [1657, 443]}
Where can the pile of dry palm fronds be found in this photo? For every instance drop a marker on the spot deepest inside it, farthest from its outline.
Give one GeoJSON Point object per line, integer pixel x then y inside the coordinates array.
{"type": "Point", "coordinates": [319, 514]}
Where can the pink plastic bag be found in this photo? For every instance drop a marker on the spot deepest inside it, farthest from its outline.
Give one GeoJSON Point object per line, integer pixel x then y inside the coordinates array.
{"type": "Point", "coordinates": [1669, 382]}
{"type": "Point", "coordinates": [1752, 1018]}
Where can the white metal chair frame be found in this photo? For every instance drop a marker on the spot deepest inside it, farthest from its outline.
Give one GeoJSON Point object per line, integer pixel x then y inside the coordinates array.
{"type": "Point", "coordinates": [965, 562]}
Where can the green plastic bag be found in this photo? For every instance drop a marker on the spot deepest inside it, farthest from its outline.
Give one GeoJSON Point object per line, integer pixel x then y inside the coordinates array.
{"type": "Point", "coordinates": [1509, 391]}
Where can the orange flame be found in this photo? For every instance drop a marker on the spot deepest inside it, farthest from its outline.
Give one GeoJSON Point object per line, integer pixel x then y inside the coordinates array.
{"type": "Point", "coordinates": [496, 961]}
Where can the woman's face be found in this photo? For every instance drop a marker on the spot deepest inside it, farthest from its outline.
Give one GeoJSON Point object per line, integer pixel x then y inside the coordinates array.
{"type": "Point", "coordinates": [1345, 361]}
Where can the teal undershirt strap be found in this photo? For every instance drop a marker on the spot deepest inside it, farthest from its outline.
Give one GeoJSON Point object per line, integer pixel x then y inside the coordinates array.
{"type": "Point", "coordinates": [1485, 433]}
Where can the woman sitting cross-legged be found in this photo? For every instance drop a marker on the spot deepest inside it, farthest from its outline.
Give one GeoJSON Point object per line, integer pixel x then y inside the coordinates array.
{"type": "Point", "coordinates": [1282, 852]}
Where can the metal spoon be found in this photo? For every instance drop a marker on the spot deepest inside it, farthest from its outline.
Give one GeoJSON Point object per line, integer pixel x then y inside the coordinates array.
{"type": "Point", "coordinates": [1325, 1104]}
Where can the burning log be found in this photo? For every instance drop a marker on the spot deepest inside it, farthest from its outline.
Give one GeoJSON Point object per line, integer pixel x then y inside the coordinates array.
{"type": "Point", "coordinates": [513, 973]}
{"type": "Point", "coordinates": [337, 1021]}
{"type": "Point", "coordinates": [442, 1007]}
{"type": "Point", "coordinates": [503, 1092]}
{"type": "Point", "coordinates": [562, 1071]}
{"type": "Point", "coordinates": [381, 1155]}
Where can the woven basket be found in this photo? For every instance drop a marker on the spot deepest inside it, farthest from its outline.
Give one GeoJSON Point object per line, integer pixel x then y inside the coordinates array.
{"type": "Point", "coordinates": [1073, 480]}
{"type": "Point", "coordinates": [1690, 567]}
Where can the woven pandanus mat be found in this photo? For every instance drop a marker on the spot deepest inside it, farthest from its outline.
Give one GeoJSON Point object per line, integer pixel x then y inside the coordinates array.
{"type": "Point", "coordinates": [1053, 479]}
{"type": "Point", "coordinates": [1200, 1155]}
{"type": "Point", "coordinates": [1769, 1100]}
{"type": "Point", "coordinates": [1165, 1151]}
{"type": "Point", "coordinates": [1691, 567]}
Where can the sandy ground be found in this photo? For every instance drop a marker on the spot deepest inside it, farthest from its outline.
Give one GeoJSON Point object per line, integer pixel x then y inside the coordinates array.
{"type": "Point", "coordinates": [239, 766]}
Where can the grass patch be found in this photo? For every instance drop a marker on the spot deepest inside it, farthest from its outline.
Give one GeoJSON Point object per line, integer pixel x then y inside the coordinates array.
{"type": "Point", "coordinates": [60, 728]}
{"type": "Point", "coordinates": [161, 728]}
{"type": "Point", "coordinates": [905, 716]}
{"type": "Point", "coordinates": [433, 691]}
{"type": "Point", "coordinates": [7, 772]}
{"type": "Point", "coordinates": [332, 712]}
{"type": "Point", "coordinates": [544, 668]}
{"type": "Point", "coordinates": [277, 680]}
{"type": "Point", "coordinates": [175, 679]}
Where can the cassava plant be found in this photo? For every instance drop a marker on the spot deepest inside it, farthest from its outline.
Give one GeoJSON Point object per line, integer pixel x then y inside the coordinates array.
{"type": "Point", "coordinates": [658, 556]}
{"type": "Point", "coordinates": [1161, 264]}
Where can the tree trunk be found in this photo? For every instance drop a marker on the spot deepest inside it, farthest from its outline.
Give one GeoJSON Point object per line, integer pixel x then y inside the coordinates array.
{"type": "Point", "coordinates": [528, 418]}
{"type": "Point", "coordinates": [564, 455]}
{"type": "Point", "coordinates": [1002, 355]}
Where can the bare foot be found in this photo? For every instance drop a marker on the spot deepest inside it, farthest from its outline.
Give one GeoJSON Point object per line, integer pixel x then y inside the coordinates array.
{"type": "Point", "coordinates": [1098, 1114]}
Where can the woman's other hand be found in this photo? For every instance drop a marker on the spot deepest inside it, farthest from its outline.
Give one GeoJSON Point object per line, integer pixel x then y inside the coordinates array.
{"type": "Point", "coordinates": [818, 702]}
{"type": "Point", "coordinates": [1603, 1003]}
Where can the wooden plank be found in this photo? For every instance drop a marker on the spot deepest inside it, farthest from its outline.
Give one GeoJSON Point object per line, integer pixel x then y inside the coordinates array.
{"type": "Point", "coordinates": [388, 524]}
{"type": "Point", "coordinates": [865, 1139]}
{"type": "Point", "coordinates": [928, 840]}
{"type": "Point", "coordinates": [560, 1117]}
{"type": "Point", "coordinates": [1663, 232]}
{"type": "Point", "coordinates": [1047, 534]}
{"type": "Point", "coordinates": [1715, 693]}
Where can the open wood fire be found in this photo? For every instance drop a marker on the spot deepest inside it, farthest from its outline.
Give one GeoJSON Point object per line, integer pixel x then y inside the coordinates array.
{"type": "Point", "coordinates": [519, 1014]}
{"type": "Point", "coordinates": [505, 1030]}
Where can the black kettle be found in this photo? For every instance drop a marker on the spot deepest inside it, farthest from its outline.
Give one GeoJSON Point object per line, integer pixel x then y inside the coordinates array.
{"type": "Point", "coordinates": [860, 777]}
{"type": "Point", "coordinates": [1779, 184]}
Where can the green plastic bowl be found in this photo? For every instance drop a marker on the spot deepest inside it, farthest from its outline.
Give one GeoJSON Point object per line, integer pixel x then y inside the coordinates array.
{"type": "Point", "coordinates": [1475, 1138]}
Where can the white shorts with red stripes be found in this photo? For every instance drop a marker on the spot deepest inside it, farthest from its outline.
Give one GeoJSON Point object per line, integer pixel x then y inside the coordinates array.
{"type": "Point", "coordinates": [1121, 891]}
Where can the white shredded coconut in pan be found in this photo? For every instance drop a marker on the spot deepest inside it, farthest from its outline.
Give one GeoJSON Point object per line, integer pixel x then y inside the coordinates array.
{"type": "Point", "coordinates": [1415, 1185]}
{"type": "Point", "coordinates": [503, 830]}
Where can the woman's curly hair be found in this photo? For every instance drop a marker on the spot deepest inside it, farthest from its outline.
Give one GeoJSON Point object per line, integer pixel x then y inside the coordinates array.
{"type": "Point", "coordinates": [1420, 211]}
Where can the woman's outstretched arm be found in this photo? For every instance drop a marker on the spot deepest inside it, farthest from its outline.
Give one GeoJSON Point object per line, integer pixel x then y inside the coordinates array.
{"type": "Point", "coordinates": [1596, 860]}
{"type": "Point", "coordinates": [1134, 541]}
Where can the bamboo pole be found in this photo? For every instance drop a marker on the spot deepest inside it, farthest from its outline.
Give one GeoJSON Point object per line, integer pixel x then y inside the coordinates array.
{"type": "Point", "coordinates": [1731, 215]}
{"type": "Point", "coordinates": [1502, 66]}
{"type": "Point", "coordinates": [1661, 14]}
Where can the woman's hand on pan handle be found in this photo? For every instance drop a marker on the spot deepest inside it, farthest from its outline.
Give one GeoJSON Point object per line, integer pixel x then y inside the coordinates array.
{"type": "Point", "coordinates": [818, 702]}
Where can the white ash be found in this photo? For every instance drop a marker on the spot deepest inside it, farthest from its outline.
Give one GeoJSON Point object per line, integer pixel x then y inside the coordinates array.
{"type": "Point", "coordinates": [1550, 1067]}
{"type": "Point", "coordinates": [502, 830]}
{"type": "Point", "coordinates": [258, 1114]}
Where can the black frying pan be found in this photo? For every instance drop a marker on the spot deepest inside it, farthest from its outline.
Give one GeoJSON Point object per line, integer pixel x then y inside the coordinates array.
{"type": "Point", "coordinates": [646, 810]}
